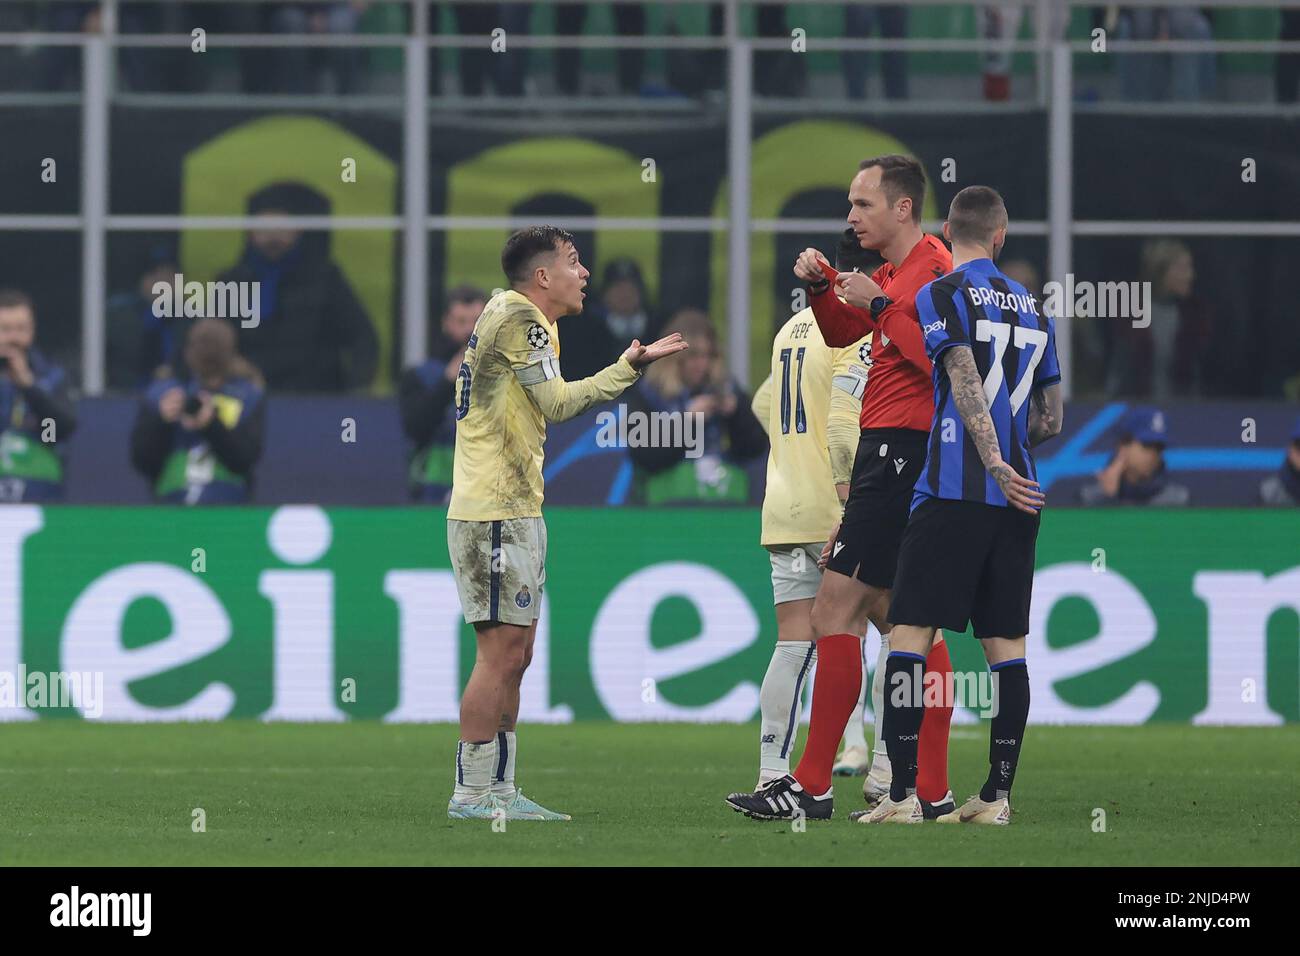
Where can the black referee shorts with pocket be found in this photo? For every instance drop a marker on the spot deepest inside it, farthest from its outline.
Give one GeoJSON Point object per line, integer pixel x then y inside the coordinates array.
{"type": "Point", "coordinates": [966, 562]}
{"type": "Point", "coordinates": [885, 469]}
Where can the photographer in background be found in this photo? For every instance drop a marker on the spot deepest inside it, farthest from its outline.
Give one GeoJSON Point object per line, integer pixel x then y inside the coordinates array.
{"type": "Point", "coordinates": [36, 410]}
{"type": "Point", "coordinates": [696, 386]}
{"type": "Point", "coordinates": [1282, 488]}
{"type": "Point", "coordinates": [426, 398]}
{"type": "Point", "coordinates": [1135, 474]}
{"type": "Point", "coordinates": [198, 433]}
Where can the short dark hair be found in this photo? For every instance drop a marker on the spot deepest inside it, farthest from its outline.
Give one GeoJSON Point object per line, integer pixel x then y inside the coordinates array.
{"type": "Point", "coordinates": [975, 214]}
{"type": "Point", "coordinates": [900, 176]}
{"type": "Point", "coordinates": [525, 245]}
{"type": "Point", "coordinates": [850, 255]}
{"type": "Point", "coordinates": [462, 294]}
{"type": "Point", "coordinates": [14, 298]}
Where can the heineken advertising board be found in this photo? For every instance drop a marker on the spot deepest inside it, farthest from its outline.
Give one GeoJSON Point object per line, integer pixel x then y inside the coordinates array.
{"type": "Point", "coordinates": [302, 613]}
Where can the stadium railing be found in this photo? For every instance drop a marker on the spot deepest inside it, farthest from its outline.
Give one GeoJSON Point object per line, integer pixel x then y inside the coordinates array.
{"type": "Point", "coordinates": [1054, 91]}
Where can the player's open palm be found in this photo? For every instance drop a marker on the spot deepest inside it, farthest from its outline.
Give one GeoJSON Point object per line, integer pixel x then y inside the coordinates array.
{"type": "Point", "coordinates": [1021, 492]}
{"type": "Point", "coordinates": [639, 356]}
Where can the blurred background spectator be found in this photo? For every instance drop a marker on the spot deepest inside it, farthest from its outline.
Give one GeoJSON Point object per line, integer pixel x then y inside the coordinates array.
{"type": "Point", "coordinates": [1283, 488]}
{"type": "Point", "coordinates": [629, 21]}
{"type": "Point", "coordinates": [890, 22]}
{"type": "Point", "coordinates": [1165, 76]}
{"type": "Point", "coordinates": [777, 72]}
{"type": "Point", "coordinates": [1287, 70]}
{"type": "Point", "coordinates": [61, 65]}
{"type": "Point", "coordinates": [313, 334]}
{"type": "Point", "coordinates": [137, 340]}
{"type": "Point", "coordinates": [590, 341]}
{"type": "Point", "coordinates": [36, 408]}
{"type": "Point", "coordinates": [427, 394]}
{"type": "Point", "coordinates": [1136, 473]}
{"type": "Point", "coordinates": [999, 24]}
{"type": "Point", "coordinates": [478, 64]}
{"type": "Point", "coordinates": [1172, 356]}
{"type": "Point", "coordinates": [198, 431]}
{"type": "Point", "coordinates": [696, 383]}
{"type": "Point", "coordinates": [299, 69]}
{"type": "Point", "coordinates": [1024, 272]}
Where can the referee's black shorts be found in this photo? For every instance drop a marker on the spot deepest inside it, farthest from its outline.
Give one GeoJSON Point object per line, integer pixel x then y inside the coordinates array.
{"type": "Point", "coordinates": [966, 562]}
{"type": "Point", "coordinates": [885, 470]}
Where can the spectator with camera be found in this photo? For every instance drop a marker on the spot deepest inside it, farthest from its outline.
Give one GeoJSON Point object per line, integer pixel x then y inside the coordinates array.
{"type": "Point", "coordinates": [1136, 473]}
{"type": "Point", "coordinates": [198, 432]}
{"type": "Point", "coordinates": [426, 398]}
{"type": "Point", "coordinates": [719, 430]}
{"type": "Point", "coordinates": [36, 408]}
{"type": "Point", "coordinates": [1282, 488]}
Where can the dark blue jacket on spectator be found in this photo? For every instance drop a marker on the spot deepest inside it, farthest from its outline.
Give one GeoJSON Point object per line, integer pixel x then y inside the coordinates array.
{"type": "Point", "coordinates": [36, 419]}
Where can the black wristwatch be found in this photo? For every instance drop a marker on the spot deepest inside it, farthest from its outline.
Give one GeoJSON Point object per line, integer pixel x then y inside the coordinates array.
{"type": "Point", "coordinates": [879, 304]}
{"type": "Point", "coordinates": [820, 286]}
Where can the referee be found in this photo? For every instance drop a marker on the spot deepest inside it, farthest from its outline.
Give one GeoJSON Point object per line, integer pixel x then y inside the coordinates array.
{"type": "Point", "coordinates": [885, 199]}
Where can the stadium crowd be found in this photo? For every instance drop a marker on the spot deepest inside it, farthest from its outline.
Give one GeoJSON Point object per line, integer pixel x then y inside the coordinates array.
{"type": "Point", "coordinates": [1179, 75]}
{"type": "Point", "coordinates": [203, 387]}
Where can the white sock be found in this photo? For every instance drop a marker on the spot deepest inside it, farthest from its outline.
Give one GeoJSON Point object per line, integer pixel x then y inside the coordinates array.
{"type": "Point", "coordinates": [503, 773]}
{"type": "Point", "coordinates": [475, 764]}
{"type": "Point", "coordinates": [854, 735]}
{"type": "Point", "coordinates": [880, 760]}
{"type": "Point", "coordinates": [779, 700]}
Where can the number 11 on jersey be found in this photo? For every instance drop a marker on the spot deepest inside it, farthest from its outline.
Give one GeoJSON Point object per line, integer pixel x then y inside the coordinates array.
{"type": "Point", "coordinates": [800, 419]}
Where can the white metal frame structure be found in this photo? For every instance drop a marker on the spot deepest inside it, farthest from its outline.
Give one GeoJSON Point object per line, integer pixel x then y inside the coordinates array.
{"type": "Point", "coordinates": [1053, 56]}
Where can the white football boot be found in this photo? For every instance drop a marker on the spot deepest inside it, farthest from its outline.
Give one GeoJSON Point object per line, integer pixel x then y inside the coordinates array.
{"type": "Point", "coordinates": [995, 813]}
{"type": "Point", "coordinates": [907, 810]}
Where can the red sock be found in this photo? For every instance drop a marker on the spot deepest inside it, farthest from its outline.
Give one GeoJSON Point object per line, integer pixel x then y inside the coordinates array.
{"type": "Point", "coordinates": [835, 694]}
{"type": "Point", "coordinates": [932, 748]}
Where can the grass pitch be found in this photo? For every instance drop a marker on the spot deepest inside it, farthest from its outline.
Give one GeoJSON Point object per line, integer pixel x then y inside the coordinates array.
{"type": "Point", "coordinates": [74, 793]}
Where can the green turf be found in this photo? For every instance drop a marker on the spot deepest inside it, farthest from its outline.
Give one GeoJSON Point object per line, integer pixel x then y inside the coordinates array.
{"type": "Point", "coordinates": [367, 793]}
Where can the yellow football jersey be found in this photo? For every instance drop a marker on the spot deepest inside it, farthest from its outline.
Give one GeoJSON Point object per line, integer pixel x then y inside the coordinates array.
{"type": "Point", "coordinates": [810, 406]}
{"type": "Point", "coordinates": [508, 388]}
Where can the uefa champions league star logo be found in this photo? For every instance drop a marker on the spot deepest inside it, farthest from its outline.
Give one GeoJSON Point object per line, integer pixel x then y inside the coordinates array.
{"type": "Point", "coordinates": [864, 354]}
{"type": "Point", "coordinates": [523, 598]}
{"type": "Point", "coordinates": [538, 337]}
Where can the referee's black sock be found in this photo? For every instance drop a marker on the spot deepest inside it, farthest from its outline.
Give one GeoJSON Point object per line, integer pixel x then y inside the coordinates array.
{"type": "Point", "coordinates": [1007, 729]}
{"type": "Point", "coordinates": [904, 709]}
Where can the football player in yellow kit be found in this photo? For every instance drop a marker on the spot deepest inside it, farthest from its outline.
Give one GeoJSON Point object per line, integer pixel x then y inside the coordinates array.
{"type": "Point", "coordinates": [508, 387]}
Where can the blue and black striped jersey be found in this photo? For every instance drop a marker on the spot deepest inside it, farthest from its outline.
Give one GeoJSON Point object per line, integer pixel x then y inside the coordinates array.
{"type": "Point", "coordinates": [1014, 344]}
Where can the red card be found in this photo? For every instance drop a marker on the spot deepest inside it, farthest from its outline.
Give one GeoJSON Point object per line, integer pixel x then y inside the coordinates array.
{"type": "Point", "coordinates": [828, 271]}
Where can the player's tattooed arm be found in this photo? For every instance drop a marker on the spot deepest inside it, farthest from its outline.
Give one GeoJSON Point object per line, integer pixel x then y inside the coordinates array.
{"type": "Point", "coordinates": [1045, 414]}
{"type": "Point", "coordinates": [968, 396]}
